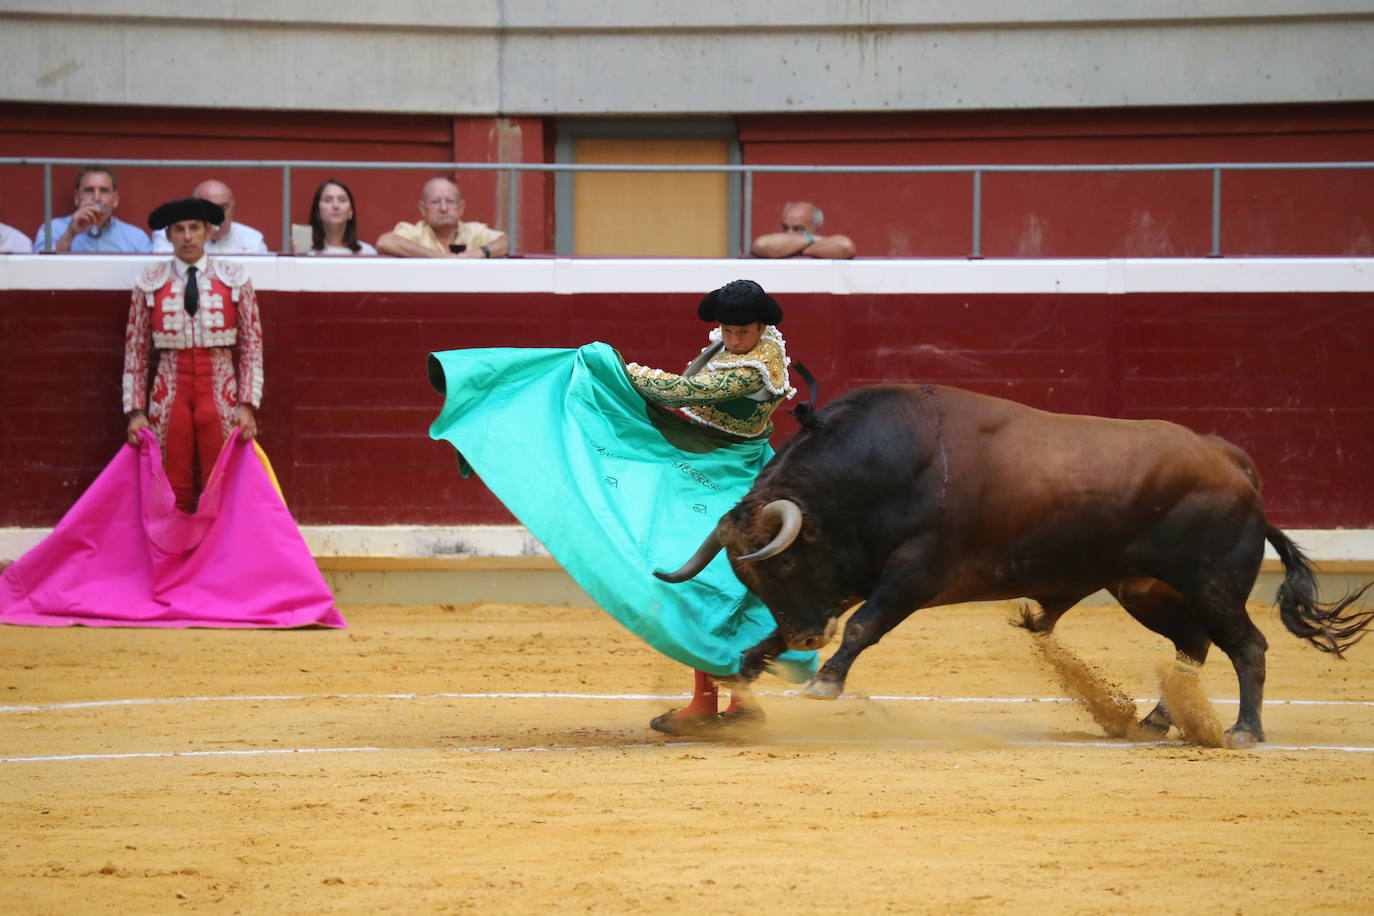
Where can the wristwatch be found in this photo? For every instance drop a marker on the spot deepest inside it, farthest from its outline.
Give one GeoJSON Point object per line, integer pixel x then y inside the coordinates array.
{"type": "Point", "coordinates": [486, 252]}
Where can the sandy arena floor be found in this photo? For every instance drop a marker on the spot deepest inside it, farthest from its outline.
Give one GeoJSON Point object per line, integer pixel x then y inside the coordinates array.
{"type": "Point", "coordinates": [496, 758]}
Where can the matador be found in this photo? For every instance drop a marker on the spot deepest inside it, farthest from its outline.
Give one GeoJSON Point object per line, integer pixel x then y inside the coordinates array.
{"type": "Point", "coordinates": [734, 386]}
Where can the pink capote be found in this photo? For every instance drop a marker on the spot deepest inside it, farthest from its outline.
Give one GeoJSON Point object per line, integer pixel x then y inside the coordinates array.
{"type": "Point", "coordinates": [125, 556]}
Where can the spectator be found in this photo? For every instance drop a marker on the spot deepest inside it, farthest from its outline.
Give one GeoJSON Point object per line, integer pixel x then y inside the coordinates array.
{"type": "Point", "coordinates": [12, 241]}
{"type": "Point", "coordinates": [230, 237]}
{"type": "Point", "coordinates": [199, 316]}
{"type": "Point", "coordinates": [334, 221]}
{"type": "Point", "coordinates": [800, 223]}
{"type": "Point", "coordinates": [441, 233]}
{"type": "Point", "coordinates": [93, 227]}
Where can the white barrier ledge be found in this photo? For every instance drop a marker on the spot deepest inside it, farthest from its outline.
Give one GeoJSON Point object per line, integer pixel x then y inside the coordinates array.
{"type": "Point", "coordinates": [878, 276]}
{"type": "Point", "coordinates": [432, 546]}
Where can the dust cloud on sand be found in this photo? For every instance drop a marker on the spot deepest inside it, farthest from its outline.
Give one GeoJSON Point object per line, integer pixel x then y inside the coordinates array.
{"type": "Point", "coordinates": [1179, 685]}
{"type": "Point", "coordinates": [1106, 702]}
{"type": "Point", "coordinates": [855, 718]}
{"type": "Point", "coordinates": [1181, 690]}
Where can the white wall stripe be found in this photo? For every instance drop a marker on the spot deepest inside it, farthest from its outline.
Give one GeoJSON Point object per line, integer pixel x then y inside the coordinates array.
{"type": "Point", "coordinates": [874, 276]}
{"type": "Point", "coordinates": [349, 543]}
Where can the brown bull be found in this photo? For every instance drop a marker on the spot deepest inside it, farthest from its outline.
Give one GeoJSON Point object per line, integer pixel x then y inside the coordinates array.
{"type": "Point", "coordinates": [908, 497]}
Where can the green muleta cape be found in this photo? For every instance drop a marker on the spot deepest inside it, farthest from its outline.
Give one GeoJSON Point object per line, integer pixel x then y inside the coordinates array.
{"type": "Point", "coordinates": [614, 488]}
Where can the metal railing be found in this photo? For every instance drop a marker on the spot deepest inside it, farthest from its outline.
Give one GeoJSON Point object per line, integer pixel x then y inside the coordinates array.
{"type": "Point", "coordinates": [513, 170]}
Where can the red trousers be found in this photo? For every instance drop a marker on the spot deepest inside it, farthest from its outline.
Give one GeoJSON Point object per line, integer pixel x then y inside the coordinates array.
{"type": "Point", "coordinates": [193, 426]}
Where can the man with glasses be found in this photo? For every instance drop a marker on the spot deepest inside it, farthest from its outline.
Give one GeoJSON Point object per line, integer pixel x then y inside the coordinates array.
{"type": "Point", "coordinates": [441, 232]}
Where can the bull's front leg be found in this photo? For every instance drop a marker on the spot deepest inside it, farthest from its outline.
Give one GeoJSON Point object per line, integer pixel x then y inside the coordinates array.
{"type": "Point", "coordinates": [755, 660]}
{"type": "Point", "coordinates": [866, 626]}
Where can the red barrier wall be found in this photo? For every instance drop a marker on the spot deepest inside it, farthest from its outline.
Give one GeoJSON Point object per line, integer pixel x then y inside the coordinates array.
{"type": "Point", "coordinates": [347, 405]}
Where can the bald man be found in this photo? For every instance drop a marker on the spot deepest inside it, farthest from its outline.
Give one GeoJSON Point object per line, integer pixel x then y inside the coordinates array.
{"type": "Point", "coordinates": [800, 235]}
{"type": "Point", "coordinates": [441, 232]}
{"type": "Point", "coordinates": [230, 237]}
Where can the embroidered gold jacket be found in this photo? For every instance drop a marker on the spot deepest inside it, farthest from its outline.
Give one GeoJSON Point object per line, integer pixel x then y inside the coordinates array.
{"type": "Point", "coordinates": [733, 392]}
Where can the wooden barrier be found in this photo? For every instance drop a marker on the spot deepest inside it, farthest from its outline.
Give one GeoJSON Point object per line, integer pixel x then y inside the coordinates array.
{"type": "Point", "coordinates": [1271, 354]}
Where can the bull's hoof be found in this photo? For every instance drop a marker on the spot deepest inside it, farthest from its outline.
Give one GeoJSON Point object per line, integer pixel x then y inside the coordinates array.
{"type": "Point", "coordinates": [822, 689]}
{"type": "Point", "coordinates": [1237, 737]}
{"type": "Point", "coordinates": [1151, 730]}
{"type": "Point", "coordinates": [1157, 723]}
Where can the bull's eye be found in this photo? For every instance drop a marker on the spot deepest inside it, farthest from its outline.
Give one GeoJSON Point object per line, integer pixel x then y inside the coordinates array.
{"type": "Point", "coordinates": [786, 565]}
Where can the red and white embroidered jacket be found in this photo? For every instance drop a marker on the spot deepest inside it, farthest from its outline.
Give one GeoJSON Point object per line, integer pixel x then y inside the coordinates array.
{"type": "Point", "coordinates": [226, 319]}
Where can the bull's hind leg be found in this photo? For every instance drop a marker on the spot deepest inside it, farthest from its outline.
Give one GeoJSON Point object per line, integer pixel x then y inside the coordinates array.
{"type": "Point", "coordinates": [1236, 635]}
{"type": "Point", "coordinates": [1051, 609]}
{"type": "Point", "coordinates": [1161, 609]}
{"type": "Point", "coordinates": [1219, 606]}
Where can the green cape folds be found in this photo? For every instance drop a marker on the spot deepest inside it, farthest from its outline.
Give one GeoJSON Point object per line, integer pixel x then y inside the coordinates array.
{"type": "Point", "coordinates": [614, 488]}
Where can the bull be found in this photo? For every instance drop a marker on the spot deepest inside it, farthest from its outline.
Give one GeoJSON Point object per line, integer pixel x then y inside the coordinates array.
{"type": "Point", "coordinates": [906, 497]}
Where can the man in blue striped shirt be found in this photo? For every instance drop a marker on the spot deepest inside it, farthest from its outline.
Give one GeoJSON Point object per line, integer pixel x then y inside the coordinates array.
{"type": "Point", "coordinates": [93, 227]}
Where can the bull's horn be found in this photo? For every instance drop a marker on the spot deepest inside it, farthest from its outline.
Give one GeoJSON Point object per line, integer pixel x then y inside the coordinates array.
{"type": "Point", "coordinates": [790, 516]}
{"type": "Point", "coordinates": [705, 553]}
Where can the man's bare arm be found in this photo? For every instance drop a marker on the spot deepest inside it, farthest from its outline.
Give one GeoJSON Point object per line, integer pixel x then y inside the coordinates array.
{"type": "Point", "coordinates": [498, 248]}
{"type": "Point", "coordinates": [789, 244]}
{"type": "Point", "coordinates": [838, 247]}
{"type": "Point", "coordinates": [392, 244]}
{"type": "Point", "coordinates": [778, 245]}
{"type": "Point", "coordinates": [84, 218]}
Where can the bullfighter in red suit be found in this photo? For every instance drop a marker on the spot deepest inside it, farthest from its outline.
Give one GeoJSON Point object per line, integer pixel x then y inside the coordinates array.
{"type": "Point", "coordinates": [199, 315]}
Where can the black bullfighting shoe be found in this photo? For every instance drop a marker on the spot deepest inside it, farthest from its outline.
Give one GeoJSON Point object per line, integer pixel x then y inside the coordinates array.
{"type": "Point", "coordinates": [671, 723]}
{"type": "Point", "coordinates": [732, 721]}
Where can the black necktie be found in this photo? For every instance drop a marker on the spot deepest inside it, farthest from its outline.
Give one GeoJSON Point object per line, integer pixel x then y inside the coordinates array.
{"type": "Point", "coordinates": [192, 291]}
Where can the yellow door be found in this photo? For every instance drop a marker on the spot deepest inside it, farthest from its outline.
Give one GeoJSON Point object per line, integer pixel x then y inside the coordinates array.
{"type": "Point", "coordinates": [652, 214]}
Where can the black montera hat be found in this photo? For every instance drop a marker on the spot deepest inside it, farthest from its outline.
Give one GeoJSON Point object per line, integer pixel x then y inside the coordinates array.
{"type": "Point", "coordinates": [740, 302]}
{"type": "Point", "coordinates": [174, 211]}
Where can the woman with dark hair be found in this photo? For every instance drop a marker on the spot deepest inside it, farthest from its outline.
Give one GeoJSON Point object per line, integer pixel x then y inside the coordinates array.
{"type": "Point", "coordinates": [334, 222]}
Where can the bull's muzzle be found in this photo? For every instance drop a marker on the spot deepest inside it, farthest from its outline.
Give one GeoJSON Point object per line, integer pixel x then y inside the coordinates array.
{"type": "Point", "coordinates": [811, 640]}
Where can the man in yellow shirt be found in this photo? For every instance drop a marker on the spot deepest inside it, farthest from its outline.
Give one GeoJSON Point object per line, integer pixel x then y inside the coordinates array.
{"type": "Point", "coordinates": [441, 232]}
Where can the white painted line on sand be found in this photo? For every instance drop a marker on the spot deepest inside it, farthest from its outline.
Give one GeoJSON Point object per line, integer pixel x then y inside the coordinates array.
{"type": "Point", "coordinates": [148, 701]}
{"type": "Point", "coordinates": [491, 749]}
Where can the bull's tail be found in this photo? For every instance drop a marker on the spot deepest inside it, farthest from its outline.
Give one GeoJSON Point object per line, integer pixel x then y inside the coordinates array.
{"type": "Point", "coordinates": [1326, 626]}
